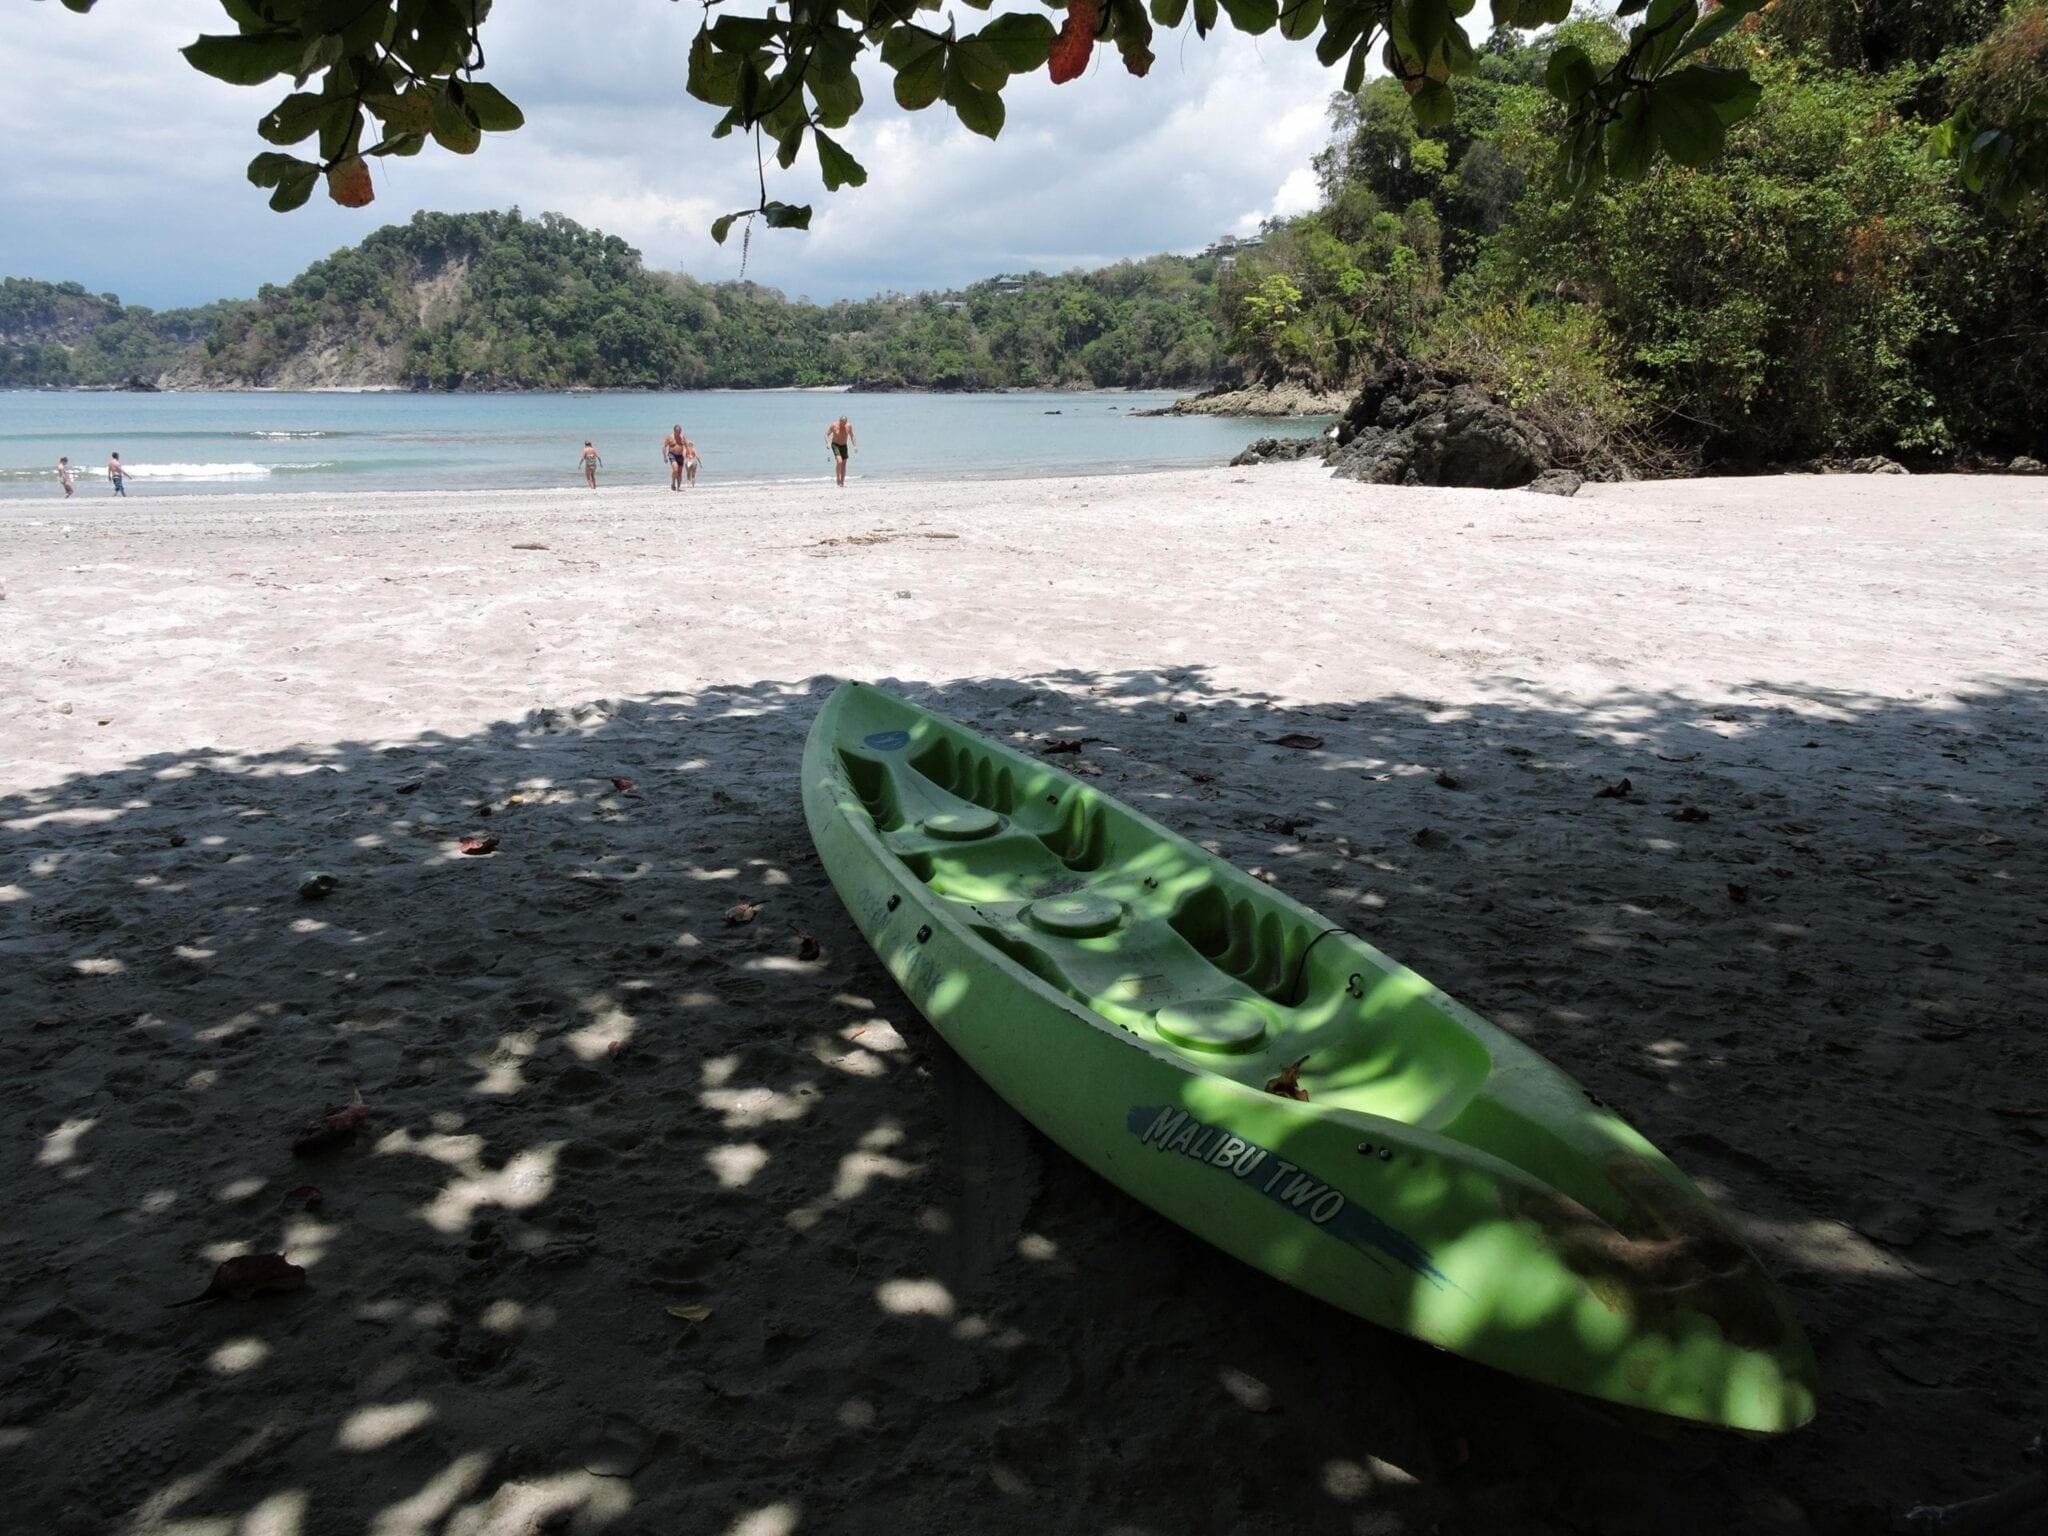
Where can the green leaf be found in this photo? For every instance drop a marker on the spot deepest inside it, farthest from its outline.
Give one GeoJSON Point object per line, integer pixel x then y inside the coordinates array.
{"type": "Point", "coordinates": [299, 116]}
{"type": "Point", "coordinates": [1300, 18]}
{"type": "Point", "coordinates": [453, 128]}
{"type": "Point", "coordinates": [1631, 144]}
{"type": "Point", "coordinates": [840, 168]}
{"type": "Point", "coordinates": [979, 111]}
{"type": "Point", "coordinates": [1354, 72]}
{"type": "Point", "coordinates": [1434, 105]}
{"type": "Point", "coordinates": [1687, 124]}
{"type": "Point", "coordinates": [714, 77]}
{"type": "Point", "coordinates": [1169, 13]}
{"type": "Point", "coordinates": [1569, 74]}
{"type": "Point", "coordinates": [398, 144]}
{"type": "Point", "coordinates": [838, 97]}
{"type": "Point", "coordinates": [1023, 41]}
{"type": "Point", "coordinates": [919, 83]}
{"type": "Point", "coordinates": [1665, 27]}
{"type": "Point", "coordinates": [787, 143]}
{"type": "Point", "coordinates": [438, 40]}
{"type": "Point", "coordinates": [293, 191]}
{"type": "Point", "coordinates": [1132, 33]}
{"type": "Point", "coordinates": [787, 215]}
{"type": "Point", "coordinates": [746, 34]}
{"type": "Point", "coordinates": [1426, 22]}
{"type": "Point", "coordinates": [245, 60]}
{"type": "Point", "coordinates": [495, 112]}
{"type": "Point", "coordinates": [978, 64]}
{"type": "Point", "coordinates": [291, 179]}
{"type": "Point", "coordinates": [722, 225]}
{"type": "Point", "coordinates": [1205, 17]}
{"type": "Point", "coordinates": [1253, 16]}
{"type": "Point", "coordinates": [270, 167]}
{"type": "Point", "coordinates": [408, 112]}
{"type": "Point", "coordinates": [904, 46]}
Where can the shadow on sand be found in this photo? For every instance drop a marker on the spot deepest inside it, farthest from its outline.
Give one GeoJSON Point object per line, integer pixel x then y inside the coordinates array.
{"type": "Point", "coordinates": [597, 1101]}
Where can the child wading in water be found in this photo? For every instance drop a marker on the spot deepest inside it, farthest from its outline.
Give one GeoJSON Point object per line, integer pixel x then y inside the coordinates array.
{"type": "Point", "coordinates": [591, 461]}
{"type": "Point", "coordinates": [690, 460]}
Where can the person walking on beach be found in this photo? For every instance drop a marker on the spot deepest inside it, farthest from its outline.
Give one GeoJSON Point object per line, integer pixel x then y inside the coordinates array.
{"type": "Point", "coordinates": [839, 441]}
{"type": "Point", "coordinates": [64, 472]}
{"type": "Point", "coordinates": [591, 462]}
{"type": "Point", "coordinates": [117, 474]}
{"type": "Point", "coordinates": [689, 460]}
{"type": "Point", "coordinates": [672, 455]}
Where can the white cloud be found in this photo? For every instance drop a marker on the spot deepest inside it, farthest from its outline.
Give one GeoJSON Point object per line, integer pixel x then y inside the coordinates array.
{"type": "Point", "coordinates": [137, 187]}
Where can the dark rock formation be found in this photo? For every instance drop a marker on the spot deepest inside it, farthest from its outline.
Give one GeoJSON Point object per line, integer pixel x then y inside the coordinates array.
{"type": "Point", "coordinates": [1557, 482]}
{"type": "Point", "coordinates": [1281, 450]}
{"type": "Point", "coordinates": [1876, 464]}
{"type": "Point", "coordinates": [2023, 465]}
{"type": "Point", "coordinates": [1413, 426]}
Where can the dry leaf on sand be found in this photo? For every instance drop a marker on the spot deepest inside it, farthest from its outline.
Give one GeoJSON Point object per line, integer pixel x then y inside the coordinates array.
{"type": "Point", "coordinates": [692, 1314]}
{"type": "Point", "coordinates": [479, 845]}
{"type": "Point", "coordinates": [248, 1275]}
{"type": "Point", "coordinates": [1300, 741]}
{"type": "Point", "coordinates": [743, 912]}
{"type": "Point", "coordinates": [1620, 789]}
{"type": "Point", "coordinates": [807, 945]}
{"type": "Point", "coordinates": [336, 1126]}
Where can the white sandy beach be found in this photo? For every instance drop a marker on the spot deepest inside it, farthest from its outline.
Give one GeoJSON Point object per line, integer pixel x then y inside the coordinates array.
{"type": "Point", "coordinates": [593, 1100]}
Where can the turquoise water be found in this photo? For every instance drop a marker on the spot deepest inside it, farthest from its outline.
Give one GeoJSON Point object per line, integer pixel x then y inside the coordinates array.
{"type": "Point", "coordinates": [185, 444]}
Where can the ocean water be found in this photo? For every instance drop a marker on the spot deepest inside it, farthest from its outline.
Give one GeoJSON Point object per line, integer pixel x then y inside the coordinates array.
{"type": "Point", "coordinates": [185, 444]}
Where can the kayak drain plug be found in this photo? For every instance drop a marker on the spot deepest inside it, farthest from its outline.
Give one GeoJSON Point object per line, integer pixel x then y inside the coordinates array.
{"type": "Point", "coordinates": [924, 933]}
{"type": "Point", "coordinates": [895, 902]}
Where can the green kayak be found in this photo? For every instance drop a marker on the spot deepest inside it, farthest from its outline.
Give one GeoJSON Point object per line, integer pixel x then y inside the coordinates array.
{"type": "Point", "coordinates": [1281, 1088]}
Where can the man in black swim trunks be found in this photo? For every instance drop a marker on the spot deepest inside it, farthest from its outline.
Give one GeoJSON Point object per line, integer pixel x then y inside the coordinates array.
{"type": "Point", "coordinates": [839, 440]}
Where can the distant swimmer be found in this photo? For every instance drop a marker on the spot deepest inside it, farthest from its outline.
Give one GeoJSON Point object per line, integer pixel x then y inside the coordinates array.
{"type": "Point", "coordinates": [690, 460]}
{"type": "Point", "coordinates": [839, 439]}
{"type": "Point", "coordinates": [117, 474]}
{"type": "Point", "coordinates": [672, 448]}
{"type": "Point", "coordinates": [64, 473]}
{"type": "Point", "coordinates": [591, 462]}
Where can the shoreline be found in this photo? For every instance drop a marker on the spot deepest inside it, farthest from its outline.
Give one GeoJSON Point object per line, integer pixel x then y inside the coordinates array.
{"type": "Point", "coordinates": [663, 1221]}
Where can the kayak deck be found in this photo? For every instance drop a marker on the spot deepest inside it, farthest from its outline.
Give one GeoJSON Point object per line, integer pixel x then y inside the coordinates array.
{"type": "Point", "coordinates": [1174, 942]}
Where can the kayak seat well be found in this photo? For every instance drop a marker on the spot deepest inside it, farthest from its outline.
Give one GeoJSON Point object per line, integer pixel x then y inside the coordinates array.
{"type": "Point", "coordinates": [1262, 950]}
{"type": "Point", "coordinates": [980, 835]}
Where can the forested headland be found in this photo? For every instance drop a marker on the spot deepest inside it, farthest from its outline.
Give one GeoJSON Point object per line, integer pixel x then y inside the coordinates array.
{"type": "Point", "coordinates": [502, 301]}
{"type": "Point", "coordinates": [1827, 286]}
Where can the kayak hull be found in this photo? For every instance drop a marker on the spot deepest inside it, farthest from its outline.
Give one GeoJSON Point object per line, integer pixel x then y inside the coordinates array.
{"type": "Point", "coordinates": [1132, 996]}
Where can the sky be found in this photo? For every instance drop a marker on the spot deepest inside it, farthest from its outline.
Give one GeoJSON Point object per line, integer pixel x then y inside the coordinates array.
{"type": "Point", "coordinates": [124, 168]}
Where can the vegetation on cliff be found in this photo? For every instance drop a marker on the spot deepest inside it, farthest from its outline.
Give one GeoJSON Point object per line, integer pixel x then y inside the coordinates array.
{"type": "Point", "coordinates": [1829, 285]}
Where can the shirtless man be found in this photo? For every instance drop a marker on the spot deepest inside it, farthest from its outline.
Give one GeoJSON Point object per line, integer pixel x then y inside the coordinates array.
{"type": "Point", "coordinates": [117, 474]}
{"type": "Point", "coordinates": [672, 448]}
{"type": "Point", "coordinates": [64, 473]}
{"type": "Point", "coordinates": [839, 441]}
{"type": "Point", "coordinates": [591, 461]}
